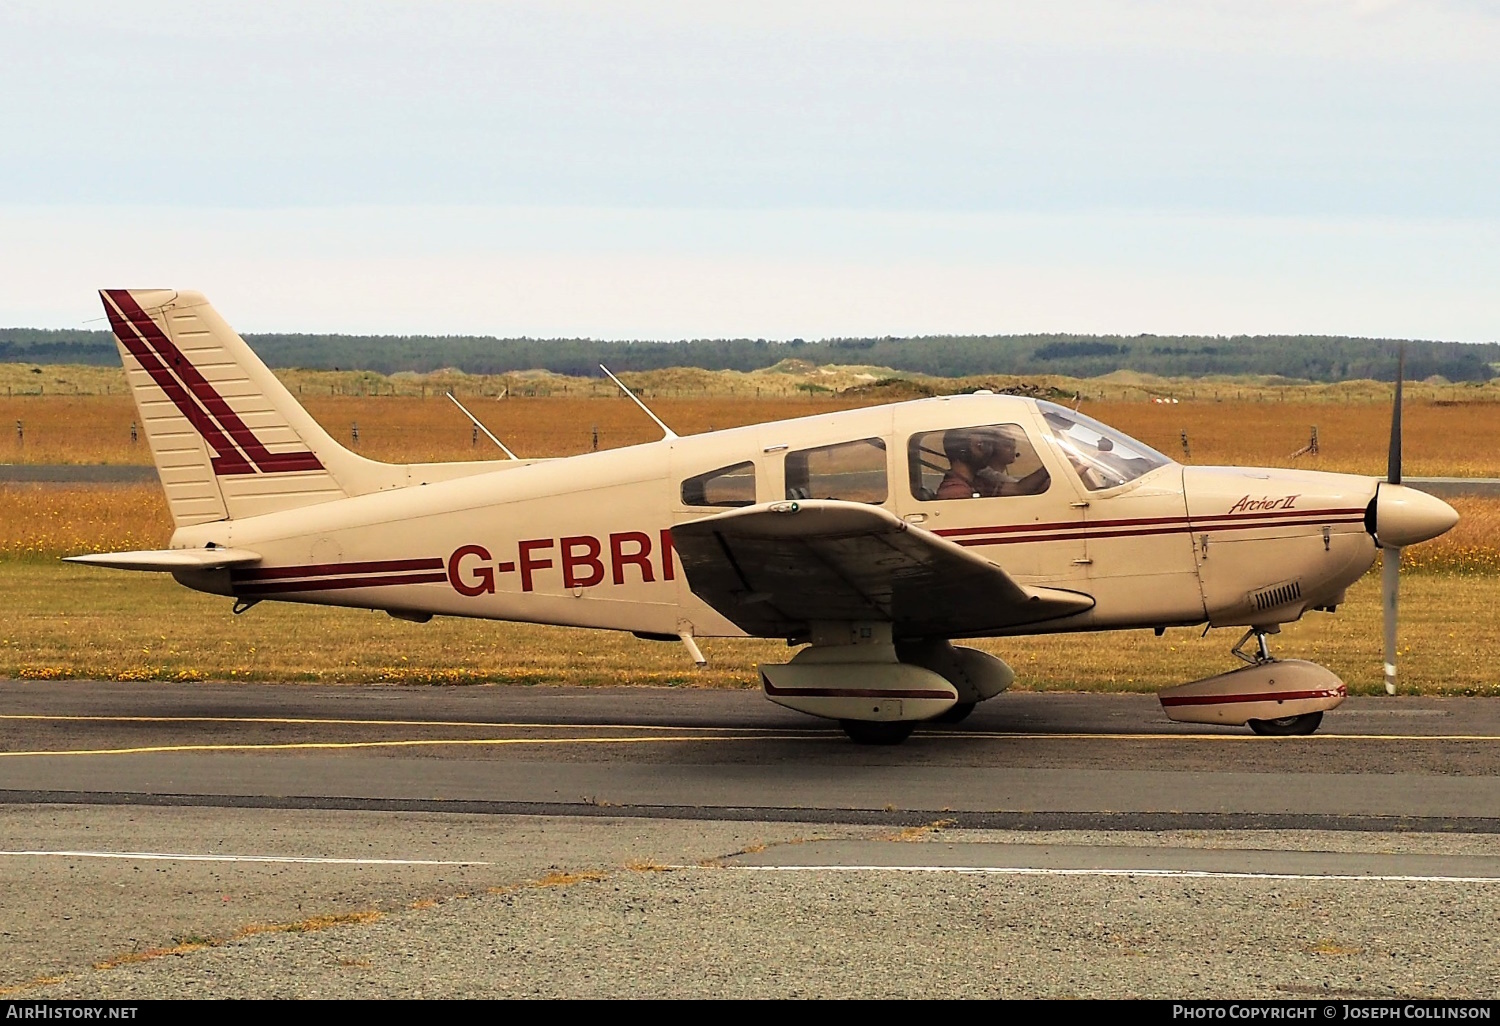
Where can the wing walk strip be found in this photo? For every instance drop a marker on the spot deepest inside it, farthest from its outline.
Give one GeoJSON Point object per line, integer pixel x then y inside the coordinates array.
{"type": "Point", "coordinates": [238, 450]}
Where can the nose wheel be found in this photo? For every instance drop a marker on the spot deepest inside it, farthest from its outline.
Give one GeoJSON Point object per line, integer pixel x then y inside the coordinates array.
{"type": "Point", "coordinates": [1287, 726]}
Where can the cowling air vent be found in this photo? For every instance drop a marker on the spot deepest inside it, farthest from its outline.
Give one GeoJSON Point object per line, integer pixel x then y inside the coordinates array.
{"type": "Point", "coordinates": [1280, 595]}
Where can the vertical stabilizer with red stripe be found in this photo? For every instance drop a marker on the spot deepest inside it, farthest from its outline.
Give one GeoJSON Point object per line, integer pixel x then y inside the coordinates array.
{"type": "Point", "coordinates": [228, 439]}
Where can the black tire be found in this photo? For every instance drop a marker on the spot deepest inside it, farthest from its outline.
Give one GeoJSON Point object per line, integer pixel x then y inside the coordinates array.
{"type": "Point", "coordinates": [956, 714]}
{"type": "Point", "coordinates": [1288, 726]}
{"type": "Point", "coordinates": [885, 732]}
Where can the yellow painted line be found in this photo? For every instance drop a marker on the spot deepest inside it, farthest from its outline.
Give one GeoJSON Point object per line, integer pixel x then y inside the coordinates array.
{"type": "Point", "coordinates": [1246, 736]}
{"type": "Point", "coordinates": [705, 733]}
{"type": "Point", "coordinates": [313, 721]}
{"type": "Point", "coordinates": [163, 856]}
{"type": "Point", "coordinates": [410, 743]}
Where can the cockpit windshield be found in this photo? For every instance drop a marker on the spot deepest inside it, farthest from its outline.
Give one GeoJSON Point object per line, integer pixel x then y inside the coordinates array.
{"type": "Point", "coordinates": [1103, 457]}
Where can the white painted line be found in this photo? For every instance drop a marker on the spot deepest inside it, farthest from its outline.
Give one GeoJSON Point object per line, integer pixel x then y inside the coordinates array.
{"type": "Point", "coordinates": [1190, 874]}
{"type": "Point", "coordinates": [162, 856]}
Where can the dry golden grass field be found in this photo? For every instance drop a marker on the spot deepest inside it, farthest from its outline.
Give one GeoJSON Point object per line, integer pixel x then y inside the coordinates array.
{"type": "Point", "coordinates": [1443, 438]}
{"type": "Point", "coordinates": [63, 621]}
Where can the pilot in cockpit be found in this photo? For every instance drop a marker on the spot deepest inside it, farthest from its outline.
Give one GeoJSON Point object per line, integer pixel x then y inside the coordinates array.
{"type": "Point", "coordinates": [979, 460]}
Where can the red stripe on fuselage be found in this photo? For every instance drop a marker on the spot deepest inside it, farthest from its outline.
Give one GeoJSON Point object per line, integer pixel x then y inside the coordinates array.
{"type": "Point", "coordinates": [954, 532]}
{"type": "Point", "coordinates": [772, 689]}
{"type": "Point", "coordinates": [335, 584]}
{"type": "Point", "coordinates": [377, 566]}
{"type": "Point", "coordinates": [1274, 696]}
{"type": "Point", "coordinates": [1183, 528]}
{"type": "Point", "coordinates": [217, 407]}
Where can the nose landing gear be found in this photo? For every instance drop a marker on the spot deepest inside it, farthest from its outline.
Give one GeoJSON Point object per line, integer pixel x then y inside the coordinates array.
{"type": "Point", "coordinates": [1281, 726]}
{"type": "Point", "coordinates": [1273, 697]}
{"type": "Point", "coordinates": [1262, 650]}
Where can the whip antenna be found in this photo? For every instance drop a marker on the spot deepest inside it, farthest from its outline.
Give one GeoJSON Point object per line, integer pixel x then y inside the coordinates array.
{"type": "Point", "coordinates": [666, 431]}
{"type": "Point", "coordinates": [481, 427]}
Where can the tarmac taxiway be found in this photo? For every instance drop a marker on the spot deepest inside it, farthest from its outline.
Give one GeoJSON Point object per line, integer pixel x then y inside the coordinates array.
{"type": "Point", "coordinates": [202, 839]}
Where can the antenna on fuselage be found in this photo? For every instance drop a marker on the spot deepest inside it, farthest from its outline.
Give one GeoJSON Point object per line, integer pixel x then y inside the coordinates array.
{"type": "Point", "coordinates": [487, 432]}
{"type": "Point", "coordinates": [666, 431]}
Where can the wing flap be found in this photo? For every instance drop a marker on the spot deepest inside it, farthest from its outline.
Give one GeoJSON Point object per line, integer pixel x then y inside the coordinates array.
{"type": "Point", "coordinates": [774, 569]}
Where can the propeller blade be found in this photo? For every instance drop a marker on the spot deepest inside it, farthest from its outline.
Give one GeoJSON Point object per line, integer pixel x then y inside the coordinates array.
{"type": "Point", "coordinates": [1390, 558]}
{"type": "Point", "coordinates": [1390, 574]}
{"type": "Point", "coordinates": [1393, 461]}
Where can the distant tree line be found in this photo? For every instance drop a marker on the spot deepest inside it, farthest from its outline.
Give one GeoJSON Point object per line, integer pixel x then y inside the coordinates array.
{"type": "Point", "coordinates": [1306, 357]}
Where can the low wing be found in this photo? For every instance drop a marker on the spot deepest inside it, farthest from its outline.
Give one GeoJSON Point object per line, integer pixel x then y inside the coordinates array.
{"type": "Point", "coordinates": [772, 570]}
{"type": "Point", "coordinates": [167, 560]}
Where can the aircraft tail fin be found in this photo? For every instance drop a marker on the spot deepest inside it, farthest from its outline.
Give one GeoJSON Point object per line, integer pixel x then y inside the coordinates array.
{"type": "Point", "coordinates": [228, 439]}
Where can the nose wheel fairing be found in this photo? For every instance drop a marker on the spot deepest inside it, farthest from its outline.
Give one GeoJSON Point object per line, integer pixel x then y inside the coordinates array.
{"type": "Point", "coordinates": [1272, 691]}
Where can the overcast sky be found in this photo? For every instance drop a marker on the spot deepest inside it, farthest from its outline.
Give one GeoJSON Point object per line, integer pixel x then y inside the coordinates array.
{"type": "Point", "coordinates": [668, 170]}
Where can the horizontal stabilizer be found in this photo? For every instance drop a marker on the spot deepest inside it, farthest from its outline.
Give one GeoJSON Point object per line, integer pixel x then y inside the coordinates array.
{"type": "Point", "coordinates": [167, 560]}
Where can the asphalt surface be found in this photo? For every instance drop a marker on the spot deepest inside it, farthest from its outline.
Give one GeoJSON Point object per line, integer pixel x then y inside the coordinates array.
{"type": "Point", "coordinates": [285, 840]}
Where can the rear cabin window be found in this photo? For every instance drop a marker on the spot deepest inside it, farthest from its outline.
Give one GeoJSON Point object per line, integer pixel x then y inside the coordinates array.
{"type": "Point", "coordinates": [853, 471]}
{"type": "Point", "coordinates": [977, 462]}
{"type": "Point", "coordinates": [727, 486]}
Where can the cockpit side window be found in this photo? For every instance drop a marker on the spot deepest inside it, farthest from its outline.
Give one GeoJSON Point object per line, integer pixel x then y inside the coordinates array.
{"type": "Point", "coordinates": [727, 486]}
{"type": "Point", "coordinates": [1103, 457]}
{"type": "Point", "coordinates": [853, 471]}
{"type": "Point", "coordinates": [977, 462]}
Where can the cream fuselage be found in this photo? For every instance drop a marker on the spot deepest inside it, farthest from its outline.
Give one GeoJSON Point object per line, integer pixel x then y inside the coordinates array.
{"type": "Point", "coordinates": [585, 540]}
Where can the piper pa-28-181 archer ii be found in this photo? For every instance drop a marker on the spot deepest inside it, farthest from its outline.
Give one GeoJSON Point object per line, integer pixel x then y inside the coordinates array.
{"type": "Point", "coordinates": [874, 537]}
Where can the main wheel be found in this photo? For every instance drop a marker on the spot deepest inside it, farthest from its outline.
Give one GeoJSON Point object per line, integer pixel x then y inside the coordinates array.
{"type": "Point", "coordinates": [955, 714]}
{"type": "Point", "coordinates": [885, 732]}
{"type": "Point", "coordinates": [1288, 726]}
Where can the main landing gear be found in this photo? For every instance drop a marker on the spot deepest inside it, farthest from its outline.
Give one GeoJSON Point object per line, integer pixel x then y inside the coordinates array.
{"type": "Point", "coordinates": [878, 688]}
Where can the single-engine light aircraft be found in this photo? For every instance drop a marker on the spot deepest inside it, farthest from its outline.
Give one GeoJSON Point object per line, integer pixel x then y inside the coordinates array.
{"type": "Point", "coordinates": [873, 537]}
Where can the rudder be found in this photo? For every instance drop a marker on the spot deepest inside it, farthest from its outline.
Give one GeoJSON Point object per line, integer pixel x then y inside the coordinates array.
{"type": "Point", "coordinates": [228, 439]}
